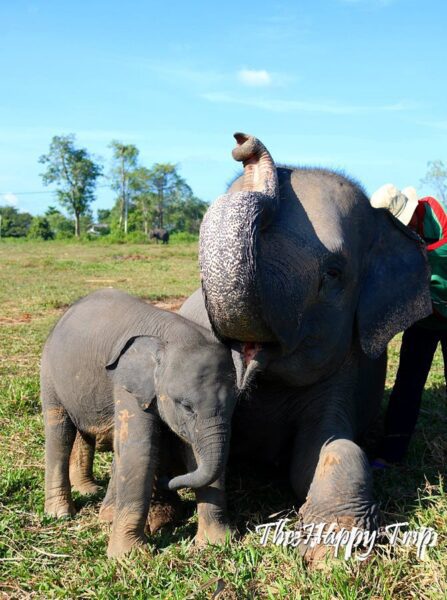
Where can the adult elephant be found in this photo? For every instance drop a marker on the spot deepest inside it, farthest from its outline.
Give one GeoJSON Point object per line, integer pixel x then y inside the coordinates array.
{"type": "Point", "coordinates": [161, 235]}
{"type": "Point", "coordinates": [303, 277]}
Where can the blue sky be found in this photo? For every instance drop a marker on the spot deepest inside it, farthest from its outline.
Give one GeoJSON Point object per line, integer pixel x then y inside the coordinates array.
{"type": "Point", "coordinates": [356, 85]}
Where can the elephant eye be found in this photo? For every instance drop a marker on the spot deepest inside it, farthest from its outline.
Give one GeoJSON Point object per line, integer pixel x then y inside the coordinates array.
{"type": "Point", "coordinates": [333, 273]}
{"type": "Point", "coordinates": [186, 405]}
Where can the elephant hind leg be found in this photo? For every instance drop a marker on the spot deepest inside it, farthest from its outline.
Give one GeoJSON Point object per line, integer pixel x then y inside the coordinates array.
{"type": "Point", "coordinates": [166, 506]}
{"type": "Point", "coordinates": [81, 465]}
{"type": "Point", "coordinates": [60, 434]}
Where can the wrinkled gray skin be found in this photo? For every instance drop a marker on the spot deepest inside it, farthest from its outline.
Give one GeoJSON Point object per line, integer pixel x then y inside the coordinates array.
{"type": "Point", "coordinates": [313, 282]}
{"type": "Point", "coordinates": [115, 363]}
{"type": "Point", "coordinates": [160, 235]}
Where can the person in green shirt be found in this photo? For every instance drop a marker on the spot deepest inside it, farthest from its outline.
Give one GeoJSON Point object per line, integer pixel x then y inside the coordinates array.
{"type": "Point", "coordinates": [427, 217]}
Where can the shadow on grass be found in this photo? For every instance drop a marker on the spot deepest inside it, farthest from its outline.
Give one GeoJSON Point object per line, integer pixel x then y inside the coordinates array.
{"type": "Point", "coordinates": [261, 495]}
{"type": "Point", "coordinates": [86, 500]}
{"type": "Point", "coordinates": [185, 530]}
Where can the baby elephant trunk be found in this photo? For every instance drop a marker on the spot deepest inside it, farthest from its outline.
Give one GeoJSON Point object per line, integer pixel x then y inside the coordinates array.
{"type": "Point", "coordinates": [211, 449]}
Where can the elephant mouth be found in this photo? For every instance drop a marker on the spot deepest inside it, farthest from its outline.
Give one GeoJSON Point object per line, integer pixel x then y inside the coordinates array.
{"type": "Point", "coordinates": [250, 351]}
{"type": "Point", "coordinates": [250, 359]}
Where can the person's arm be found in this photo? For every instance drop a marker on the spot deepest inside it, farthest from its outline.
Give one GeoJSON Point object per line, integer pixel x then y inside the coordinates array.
{"type": "Point", "coordinates": [435, 232]}
{"type": "Point", "coordinates": [436, 213]}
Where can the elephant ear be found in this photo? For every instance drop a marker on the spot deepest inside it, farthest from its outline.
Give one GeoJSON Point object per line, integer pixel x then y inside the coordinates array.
{"type": "Point", "coordinates": [395, 287]}
{"type": "Point", "coordinates": [133, 367]}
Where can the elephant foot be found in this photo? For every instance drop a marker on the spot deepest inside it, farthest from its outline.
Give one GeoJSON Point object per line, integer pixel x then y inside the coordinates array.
{"type": "Point", "coordinates": [339, 514]}
{"type": "Point", "coordinates": [212, 533]}
{"type": "Point", "coordinates": [122, 544]}
{"type": "Point", "coordinates": [336, 537]}
{"type": "Point", "coordinates": [86, 487]}
{"type": "Point", "coordinates": [317, 557]}
{"type": "Point", "coordinates": [106, 513]}
{"type": "Point", "coordinates": [59, 509]}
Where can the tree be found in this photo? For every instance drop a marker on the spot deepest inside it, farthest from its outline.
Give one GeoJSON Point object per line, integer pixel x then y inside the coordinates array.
{"type": "Point", "coordinates": [188, 214]}
{"type": "Point", "coordinates": [52, 210]}
{"type": "Point", "coordinates": [40, 229]}
{"type": "Point", "coordinates": [14, 223]}
{"type": "Point", "coordinates": [158, 197]}
{"type": "Point", "coordinates": [76, 174]}
{"type": "Point", "coordinates": [168, 188]}
{"type": "Point", "coordinates": [124, 162]}
{"type": "Point", "coordinates": [436, 177]}
{"type": "Point", "coordinates": [143, 196]}
{"type": "Point", "coordinates": [104, 215]}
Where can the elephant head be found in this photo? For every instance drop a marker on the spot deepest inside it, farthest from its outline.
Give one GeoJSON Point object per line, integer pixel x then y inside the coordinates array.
{"type": "Point", "coordinates": [299, 260]}
{"type": "Point", "coordinates": [195, 392]}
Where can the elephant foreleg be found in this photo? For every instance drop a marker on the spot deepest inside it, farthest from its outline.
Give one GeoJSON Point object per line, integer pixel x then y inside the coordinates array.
{"type": "Point", "coordinates": [329, 470]}
{"type": "Point", "coordinates": [136, 456]}
{"type": "Point", "coordinates": [341, 489]}
{"type": "Point", "coordinates": [213, 524]}
{"type": "Point", "coordinates": [339, 493]}
{"type": "Point", "coordinates": [165, 508]}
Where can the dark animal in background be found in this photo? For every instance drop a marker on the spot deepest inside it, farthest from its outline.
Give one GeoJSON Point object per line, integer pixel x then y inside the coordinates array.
{"type": "Point", "coordinates": [117, 367]}
{"type": "Point", "coordinates": [159, 235]}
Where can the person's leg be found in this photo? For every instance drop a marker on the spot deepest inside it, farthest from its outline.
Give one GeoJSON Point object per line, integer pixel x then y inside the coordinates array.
{"type": "Point", "coordinates": [443, 337]}
{"type": "Point", "coordinates": [416, 355]}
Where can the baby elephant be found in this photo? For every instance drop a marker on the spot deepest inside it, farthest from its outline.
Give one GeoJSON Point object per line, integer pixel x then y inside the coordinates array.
{"type": "Point", "coordinates": [115, 363]}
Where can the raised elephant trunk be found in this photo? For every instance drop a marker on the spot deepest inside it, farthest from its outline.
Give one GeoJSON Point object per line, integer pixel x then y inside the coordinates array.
{"type": "Point", "coordinates": [211, 448]}
{"type": "Point", "coordinates": [228, 246]}
{"type": "Point", "coordinates": [259, 168]}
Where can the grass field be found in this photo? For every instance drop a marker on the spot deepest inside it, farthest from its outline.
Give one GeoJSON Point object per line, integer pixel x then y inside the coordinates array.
{"type": "Point", "coordinates": [44, 558]}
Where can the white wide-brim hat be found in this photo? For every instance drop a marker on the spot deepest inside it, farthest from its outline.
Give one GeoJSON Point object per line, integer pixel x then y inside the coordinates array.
{"type": "Point", "coordinates": [401, 204]}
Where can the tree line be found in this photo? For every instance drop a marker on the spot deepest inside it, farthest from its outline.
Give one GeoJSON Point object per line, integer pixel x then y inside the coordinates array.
{"type": "Point", "coordinates": [146, 197]}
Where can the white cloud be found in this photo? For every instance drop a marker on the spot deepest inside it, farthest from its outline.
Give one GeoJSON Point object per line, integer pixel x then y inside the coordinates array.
{"type": "Point", "coordinates": [178, 73]}
{"type": "Point", "coordinates": [9, 199]}
{"type": "Point", "coordinates": [285, 106]}
{"type": "Point", "coordinates": [253, 78]}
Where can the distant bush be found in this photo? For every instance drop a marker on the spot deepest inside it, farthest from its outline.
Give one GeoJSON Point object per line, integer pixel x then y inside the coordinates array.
{"type": "Point", "coordinates": [13, 223]}
{"type": "Point", "coordinates": [64, 235]}
{"type": "Point", "coordinates": [62, 226]}
{"type": "Point", "coordinates": [40, 229]}
{"type": "Point", "coordinates": [115, 237]}
{"type": "Point", "coordinates": [137, 237]}
{"type": "Point", "coordinates": [119, 237]}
